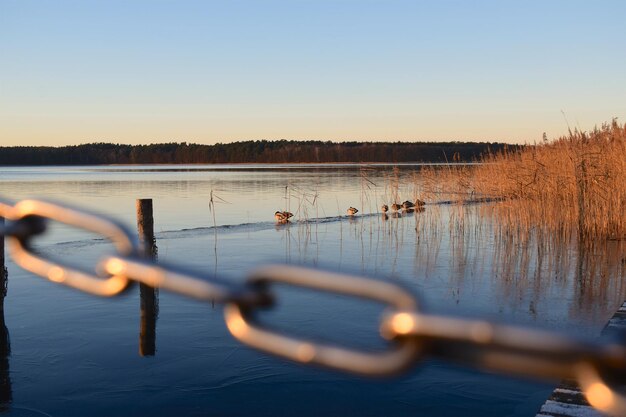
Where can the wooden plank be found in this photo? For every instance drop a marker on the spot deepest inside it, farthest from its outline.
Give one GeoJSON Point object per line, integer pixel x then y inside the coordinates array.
{"type": "Point", "coordinates": [558, 409]}
{"type": "Point", "coordinates": [567, 400]}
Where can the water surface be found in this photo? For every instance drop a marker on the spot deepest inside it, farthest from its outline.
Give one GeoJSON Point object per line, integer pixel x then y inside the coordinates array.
{"type": "Point", "coordinates": [75, 354]}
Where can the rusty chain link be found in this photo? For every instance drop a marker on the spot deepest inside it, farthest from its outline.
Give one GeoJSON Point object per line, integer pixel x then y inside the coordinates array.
{"type": "Point", "coordinates": [411, 334]}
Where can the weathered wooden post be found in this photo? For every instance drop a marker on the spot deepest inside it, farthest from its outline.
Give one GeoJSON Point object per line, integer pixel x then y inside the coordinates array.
{"type": "Point", "coordinates": [148, 296]}
{"type": "Point", "coordinates": [6, 392]}
{"type": "Point", "coordinates": [2, 245]}
{"type": "Point", "coordinates": [2, 242]}
{"type": "Point", "coordinates": [3, 269]}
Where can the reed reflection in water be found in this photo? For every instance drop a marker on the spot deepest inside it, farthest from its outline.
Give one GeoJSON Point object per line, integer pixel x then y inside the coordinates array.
{"type": "Point", "coordinates": [459, 255]}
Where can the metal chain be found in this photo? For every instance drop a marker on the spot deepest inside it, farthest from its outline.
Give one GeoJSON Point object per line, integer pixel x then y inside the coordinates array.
{"type": "Point", "coordinates": [410, 333]}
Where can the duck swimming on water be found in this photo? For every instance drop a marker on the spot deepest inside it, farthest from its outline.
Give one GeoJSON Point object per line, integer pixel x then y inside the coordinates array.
{"type": "Point", "coordinates": [352, 211]}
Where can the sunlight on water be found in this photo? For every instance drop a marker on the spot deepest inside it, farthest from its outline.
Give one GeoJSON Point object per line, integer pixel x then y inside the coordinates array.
{"type": "Point", "coordinates": [68, 347]}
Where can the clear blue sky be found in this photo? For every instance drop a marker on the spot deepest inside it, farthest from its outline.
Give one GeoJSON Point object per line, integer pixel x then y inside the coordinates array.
{"type": "Point", "coordinates": [201, 71]}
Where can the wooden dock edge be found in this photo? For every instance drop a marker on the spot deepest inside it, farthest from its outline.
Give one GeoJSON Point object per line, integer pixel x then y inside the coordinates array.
{"type": "Point", "coordinates": [567, 400]}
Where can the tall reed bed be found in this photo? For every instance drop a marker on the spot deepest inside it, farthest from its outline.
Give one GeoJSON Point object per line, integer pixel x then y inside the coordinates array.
{"type": "Point", "coordinates": [575, 184]}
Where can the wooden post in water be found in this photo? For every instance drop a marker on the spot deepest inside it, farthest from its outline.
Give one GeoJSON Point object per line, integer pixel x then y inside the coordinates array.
{"type": "Point", "coordinates": [3, 269]}
{"type": "Point", "coordinates": [2, 266]}
{"type": "Point", "coordinates": [6, 392]}
{"type": "Point", "coordinates": [148, 296]}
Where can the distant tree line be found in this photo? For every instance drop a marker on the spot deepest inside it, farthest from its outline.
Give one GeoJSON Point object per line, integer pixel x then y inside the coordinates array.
{"type": "Point", "coordinates": [257, 151]}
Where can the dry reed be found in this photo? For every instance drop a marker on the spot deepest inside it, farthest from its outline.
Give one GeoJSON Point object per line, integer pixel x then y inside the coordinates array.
{"type": "Point", "coordinates": [575, 184]}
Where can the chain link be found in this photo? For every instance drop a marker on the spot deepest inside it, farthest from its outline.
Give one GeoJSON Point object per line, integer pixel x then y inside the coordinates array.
{"type": "Point", "coordinates": [410, 333]}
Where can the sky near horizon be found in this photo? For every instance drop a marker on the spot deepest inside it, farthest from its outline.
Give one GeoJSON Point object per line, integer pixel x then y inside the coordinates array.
{"type": "Point", "coordinates": [147, 71]}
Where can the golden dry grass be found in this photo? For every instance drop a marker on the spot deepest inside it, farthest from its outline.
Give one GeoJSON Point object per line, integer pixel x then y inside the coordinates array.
{"type": "Point", "coordinates": [575, 184]}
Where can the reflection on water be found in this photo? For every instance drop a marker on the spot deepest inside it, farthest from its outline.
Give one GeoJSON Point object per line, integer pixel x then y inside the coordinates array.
{"type": "Point", "coordinates": [149, 308]}
{"type": "Point", "coordinates": [527, 277]}
{"type": "Point", "coordinates": [455, 258]}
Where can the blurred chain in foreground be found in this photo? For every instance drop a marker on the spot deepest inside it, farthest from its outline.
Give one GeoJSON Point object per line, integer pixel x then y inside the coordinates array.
{"type": "Point", "coordinates": [598, 366]}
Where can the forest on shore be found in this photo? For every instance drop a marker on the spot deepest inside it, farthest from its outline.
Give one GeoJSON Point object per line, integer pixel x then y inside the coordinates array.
{"type": "Point", "coordinates": [257, 151]}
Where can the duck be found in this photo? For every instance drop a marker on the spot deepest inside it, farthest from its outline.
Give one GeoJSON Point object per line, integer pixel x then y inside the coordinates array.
{"type": "Point", "coordinates": [395, 207]}
{"type": "Point", "coordinates": [282, 216]}
{"type": "Point", "coordinates": [352, 211]}
{"type": "Point", "coordinates": [384, 208]}
{"type": "Point", "coordinates": [408, 205]}
{"type": "Point", "coordinates": [420, 203]}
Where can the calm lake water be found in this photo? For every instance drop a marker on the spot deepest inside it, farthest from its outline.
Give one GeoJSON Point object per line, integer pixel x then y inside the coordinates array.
{"type": "Point", "coordinates": [65, 353]}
